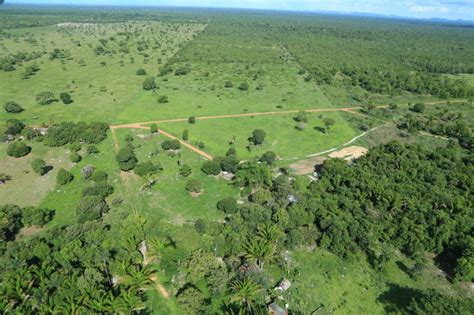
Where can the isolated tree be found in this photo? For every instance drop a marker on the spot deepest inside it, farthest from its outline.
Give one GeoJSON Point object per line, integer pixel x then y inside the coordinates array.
{"type": "Point", "coordinates": [91, 208]}
{"type": "Point", "coordinates": [211, 168]}
{"type": "Point", "coordinates": [163, 99]}
{"type": "Point", "coordinates": [185, 136]}
{"type": "Point", "coordinates": [246, 293]}
{"type": "Point", "coordinates": [12, 107]}
{"type": "Point", "coordinates": [64, 177]}
{"type": "Point", "coordinates": [149, 84]}
{"type": "Point", "coordinates": [228, 205]}
{"type": "Point", "coordinates": [65, 98]}
{"type": "Point", "coordinates": [328, 123]}
{"type": "Point", "coordinates": [185, 170]}
{"type": "Point", "coordinates": [39, 167]}
{"type": "Point", "coordinates": [153, 128]}
{"type": "Point", "coordinates": [126, 158]}
{"type": "Point", "coordinates": [45, 98]}
{"type": "Point", "coordinates": [18, 149]}
{"type": "Point", "coordinates": [193, 185]}
{"type": "Point", "coordinates": [192, 120]}
{"type": "Point", "coordinates": [258, 136]}
{"type": "Point", "coordinates": [230, 163]}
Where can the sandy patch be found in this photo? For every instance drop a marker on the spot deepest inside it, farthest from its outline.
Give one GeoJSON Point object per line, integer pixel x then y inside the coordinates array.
{"type": "Point", "coordinates": [304, 167]}
{"type": "Point", "coordinates": [349, 153]}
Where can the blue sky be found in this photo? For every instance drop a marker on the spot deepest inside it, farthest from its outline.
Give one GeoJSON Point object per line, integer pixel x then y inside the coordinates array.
{"type": "Point", "coordinates": [449, 9]}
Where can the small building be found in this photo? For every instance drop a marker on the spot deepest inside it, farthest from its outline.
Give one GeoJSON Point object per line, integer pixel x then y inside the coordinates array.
{"type": "Point", "coordinates": [283, 285]}
{"type": "Point", "coordinates": [275, 309]}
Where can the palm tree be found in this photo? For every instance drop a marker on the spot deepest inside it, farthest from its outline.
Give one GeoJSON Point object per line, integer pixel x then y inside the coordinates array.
{"type": "Point", "coordinates": [245, 294]}
{"type": "Point", "coordinates": [258, 251]}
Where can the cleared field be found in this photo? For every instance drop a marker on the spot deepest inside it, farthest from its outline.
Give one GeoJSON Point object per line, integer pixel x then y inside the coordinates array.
{"type": "Point", "coordinates": [282, 136]}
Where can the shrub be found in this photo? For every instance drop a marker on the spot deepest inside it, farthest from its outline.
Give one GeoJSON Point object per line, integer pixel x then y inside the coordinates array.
{"type": "Point", "coordinates": [14, 127]}
{"type": "Point", "coordinates": [92, 149]}
{"type": "Point", "coordinates": [102, 190]}
{"type": "Point", "coordinates": [90, 208]}
{"type": "Point", "coordinates": [258, 136]}
{"type": "Point", "coordinates": [302, 117]}
{"type": "Point", "coordinates": [141, 72]}
{"type": "Point", "coordinates": [149, 84]}
{"type": "Point", "coordinates": [230, 163]}
{"type": "Point", "coordinates": [228, 205]}
{"type": "Point", "coordinates": [12, 107]}
{"type": "Point", "coordinates": [244, 86]}
{"type": "Point", "coordinates": [76, 147]}
{"type": "Point", "coordinates": [201, 145]}
{"type": "Point", "coordinates": [153, 128]}
{"type": "Point", "coordinates": [18, 149]}
{"type": "Point", "coordinates": [185, 136]}
{"type": "Point", "coordinates": [182, 71]}
{"type": "Point", "coordinates": [39, 167]}
{"type": "Point", "coordinates": [192, 120]}
{"type": "Point", "coordinates": [418, 108]}
{"type": "Point", "coordinates": [231, 151]}
{"type": "Point", "coordinates": [147, 168]}
{"type": "Point", "coordinates": [64, 177]}
{"type": "Point", "coordinates": [75, 157]}
{"type": "Point", "coordinates": [228, 84]}
{"type": "Point", "coordinates": [99, 176]}
{"type": "Point", "coordinates": [163, 99]}
{"type": "Point", "coordinates": [87, 171]}
{"type": "Point", "coordinates": [193, 185]}
{"type": "Point", "coordinates": [211, 168]}
{"type": "Point", "coordinates": [126, 158]}
{"type": "Point", "coordinates": [36, 216]}
{"type": "Point", "coordinates": [171, 145]}
{"type": "Point", "coordinates": [269, 157]}
{"type": "Point", "coordinates": [185, 170]}
{"type": "Point", "coordinates": [65, 98]}
{"type": "Point", "coordinates": [45, 98]}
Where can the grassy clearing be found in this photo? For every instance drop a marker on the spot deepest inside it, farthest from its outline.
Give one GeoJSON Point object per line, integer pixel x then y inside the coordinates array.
{"type": "Point", "coordinates": [282, 135]}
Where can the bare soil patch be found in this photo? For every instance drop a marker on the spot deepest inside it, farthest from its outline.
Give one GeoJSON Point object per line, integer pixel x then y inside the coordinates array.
{"type": "Point", "coordinates": [349, 153]}
{"type": "Point", "coordinates": [305, 167]}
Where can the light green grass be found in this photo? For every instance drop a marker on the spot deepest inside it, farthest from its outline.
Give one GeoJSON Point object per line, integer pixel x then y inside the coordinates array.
{"type": "Point", "coordinates": [282, 136]}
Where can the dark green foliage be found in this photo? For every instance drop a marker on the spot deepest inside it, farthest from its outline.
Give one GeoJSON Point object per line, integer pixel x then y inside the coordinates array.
{"type": "Point", "coordinates": [231, 151]}
{"type": "Point", "coordinates": [149, 84]}
{"type": "Point", "coordinates": [92, 149]}
{"type": "Point", "coordinates": [185, 170]}
{"type": "Point", "coordinates": [302, 117]}
{"type": "Point", "coordinates": [418, 108]}
{"type": "Point", "coordinates": [126, 158]}
{"type": "Point", "coordinates": [75, 157]}
{"type": "Point", "coordinates": [45, 98]}
{"type": "Point", "coordinates": [228, 84]}
{"type": "Point", "coordinates": [192, 120]}
{"type": "Point", "coordinates": [62, 134]}
{"type": "Point", "coordinates": [12, 107]}
{"type": "Point", "coordinates": [64, 177]}
{"type": "Point", "coordinates": [228, 205]}
{"type": "Point", "coordinates": [39, 167]}
{"type": "Point", "coordinates": [182, 71]}
{"type": "Point", "coordinates": [31, 133]}
{"type": "Point", "coordinates": [91, 208]}
{"type": "Point", "coordinates": [185, 136]}
{"type": "Point", "coordinates": [211, 168]}
{"type": "Point", "coordinates": [163, 99]}
{"type": "Point", "coordinates": [141, 72]}
{"type": "Point", "coordinates": [229, 163]}
{"type": "Point", "coordinates": [10, 223]}
{"type": "Point", "coordinates": [18, 149]}
{"type": "Point", "coordinates": [171, 145]}
{"type": "Point", "coordinates": [153, 128]}
{"type": "Point", "coordinates": [147, 169]}
{"type": "Point", "coordinates": [14, 127]}
{"type": "Point", "coordinates": [65, 98]}
{"type": "Point", "coordinates": [193, 185]}
{"type": "Point", "coordinates": [268, 157]}
{"type": "Point", "coordinates": [328, 123]}
{"type": "Point", "coordinates": [244, 86]}
{"type": "Point", "coordinates": [36, 216]}
{"type": "Point", "coordinates": [99, 176]}
{"type": "Point", "coordinates": [258, 136]}
{"type": "Point", "coordinates": [431, 302]}
{"type": "Point", "coordinates": [103, 190]}
{"type": "Point", "coordinates": [76, 147]}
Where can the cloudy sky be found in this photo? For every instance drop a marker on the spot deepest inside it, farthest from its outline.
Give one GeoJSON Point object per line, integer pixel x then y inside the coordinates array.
{"type": "Point", "coordinates": [449, 9]}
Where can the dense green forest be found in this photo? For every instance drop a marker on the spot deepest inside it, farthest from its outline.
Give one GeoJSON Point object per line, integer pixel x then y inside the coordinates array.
{"type": "Point", "coordinates": [147, 162]}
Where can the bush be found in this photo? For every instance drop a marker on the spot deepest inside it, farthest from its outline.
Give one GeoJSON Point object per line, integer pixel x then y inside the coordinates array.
{"type": "Point", "coordinates": [87, 172]}
{"type": "Point", "coordinates": [90, 208]}
{"type": "Point", "coordinates": [14, 127]}
{"type": "Point", "coordinates": [149, 84]}
{"type": "Point", "coordinates": [301, 117]}
{"type": "Point", "coordinates": [418, 108]}
{"type": "Point", "coordinates": [65, 98]}
{"type": "Point", "coordinates": [99, 176]}
{"type": "Point", "coordinates": [68, 132]}
{"type": "Point", "coordinates": [228, 84]}
{"type": "Point", "coordinates": [268, 157]}
{"type": "Point", "coordinates": [39, 167]}
{"type": "Point", "coordinates": [163, 99]}
{"type": "Point", "coordinates": [231, 151]}
{"type": "Point", "coordinates": [244, 86]}
{"type": "Point", "coordinates": [201, 145]}
{"type": "Point", "coordinates": [12, 107]}
{"type": "Point", "coordinates": [141, 72]}
{"type": "Point", "coordinates": [228, 205]}
{"type": "Point", "coordinates": [126, 159]}
{"type": "Point", "coordinates": [18, 149]}
{"type": "Point", "coordinates": [171, 145]}
{"type": "Point", "coordinates": [75, 157]}
{"type": "Point", "coordinates": [192, 120]}
{"type": "Point", "coordinates": [258, 136]}
{"type": "Point", "coordinates": [147, 168]}
{"type": "Point", "coordinates": [211, 168]}
{"type": "Point", "coordinates": [182, 71]}
{"type": "Point", "coordinates": [76, 147]}
{"type": "Point", "coordinates": [153, 128]}
{"type": "Point", "coordinates": [36, 216]}
{"type": "Point", "coordinates": [185, 136]}
{"type": "Point", "coordinates": [92, 149]}
{"type": "Point", "coordinates": [45, 98]}
{"type": "Point", "coordinates": [64, 177]}
{"type": "Point", "coordinates": [102, 190]}
{"type": "Point", "coordinates": [230, 163]}
{"type": "Point", "coordinates": [185, 170]}
{"type": "Point", "coordinates": [193, 185]}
